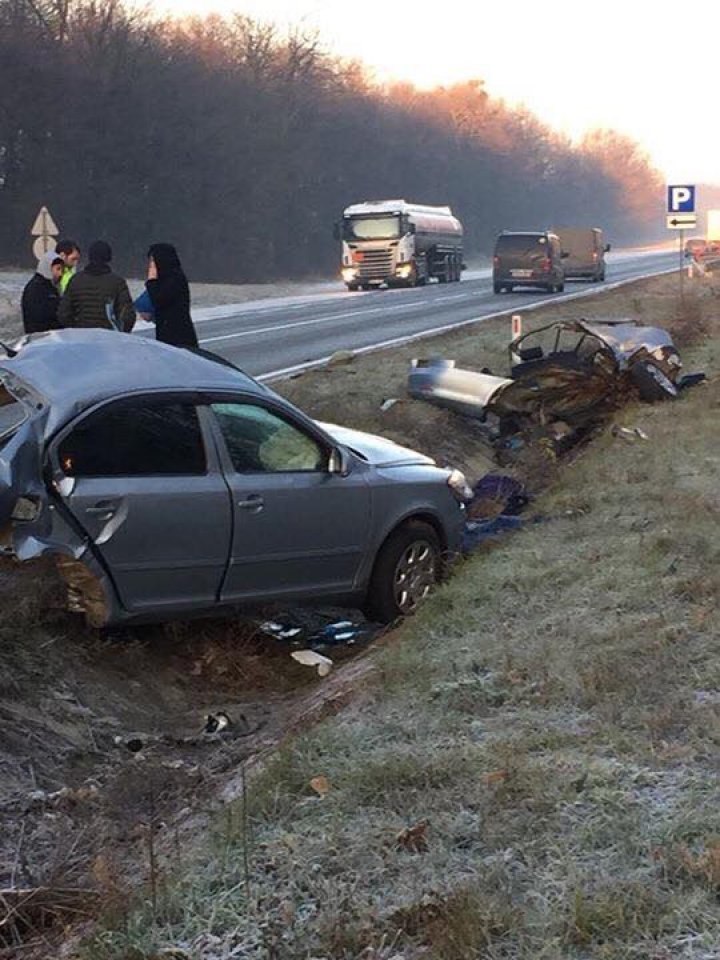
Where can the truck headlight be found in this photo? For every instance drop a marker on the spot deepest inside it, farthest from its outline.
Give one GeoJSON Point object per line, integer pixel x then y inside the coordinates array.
{"type": "Point", "coordinates": [459, 486]}
{"type": "Point", "coordinates": [404, 271]}
{"type": "Point", "coordinates": [349, 274]}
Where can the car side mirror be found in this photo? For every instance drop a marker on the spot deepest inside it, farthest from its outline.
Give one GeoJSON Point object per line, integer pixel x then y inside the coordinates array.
{"type": "Point", "coordinates": [339, 462]}
{"type": "Point", "coordinates": [607, 248]}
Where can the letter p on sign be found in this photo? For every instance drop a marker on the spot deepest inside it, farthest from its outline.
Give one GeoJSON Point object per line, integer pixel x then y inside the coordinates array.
{"type": "Point", "coordinates": [681, 198]}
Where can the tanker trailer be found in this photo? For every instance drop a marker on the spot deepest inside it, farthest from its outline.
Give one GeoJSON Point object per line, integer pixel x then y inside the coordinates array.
{"type": "Point", "coordinates": [399, 244]}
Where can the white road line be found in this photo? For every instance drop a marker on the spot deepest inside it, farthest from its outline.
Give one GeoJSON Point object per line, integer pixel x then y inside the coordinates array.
{"type": "Point", "coordinates": [447, 327]}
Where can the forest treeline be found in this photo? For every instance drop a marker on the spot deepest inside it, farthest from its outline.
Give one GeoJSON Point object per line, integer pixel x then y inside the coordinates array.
{"type": "Point", "coordinates": [241, 144]}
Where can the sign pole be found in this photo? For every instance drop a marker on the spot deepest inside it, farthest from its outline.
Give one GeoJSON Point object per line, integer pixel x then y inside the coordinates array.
{"type": "Point", "coordinates": [682, 272]}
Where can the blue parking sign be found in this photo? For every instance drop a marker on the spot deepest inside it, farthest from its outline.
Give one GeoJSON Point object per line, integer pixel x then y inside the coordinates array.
{"type": "Point", "coordinates": [681, 198]}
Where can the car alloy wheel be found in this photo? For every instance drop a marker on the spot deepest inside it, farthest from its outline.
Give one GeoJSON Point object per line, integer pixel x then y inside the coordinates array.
{"type": "Point", "coordinates": [415, 575]}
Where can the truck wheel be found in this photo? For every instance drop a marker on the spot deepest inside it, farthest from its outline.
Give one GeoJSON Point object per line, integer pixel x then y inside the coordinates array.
{"type": "Point", "coordinates": [561, 286]}
{"type": "Point", "coordinates": [407, 566]}
{"type": "Point", "coordinates": [352, 287]}
{"type": "Point", "coordinates": [498, 288]}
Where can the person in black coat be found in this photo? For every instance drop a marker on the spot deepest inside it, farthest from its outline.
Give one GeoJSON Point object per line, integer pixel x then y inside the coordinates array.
{"type": "Point", "coordinates": [41, 296]}
{"type": "Point", "coordinates": [169, 293]}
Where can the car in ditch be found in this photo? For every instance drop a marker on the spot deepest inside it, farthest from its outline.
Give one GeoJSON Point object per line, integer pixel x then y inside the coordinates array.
{"type": "Point", "coordinates": [170, 484]}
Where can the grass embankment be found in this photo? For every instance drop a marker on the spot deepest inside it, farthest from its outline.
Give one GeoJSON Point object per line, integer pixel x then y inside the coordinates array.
{"type": "Point", "coordinates": [548, 724]}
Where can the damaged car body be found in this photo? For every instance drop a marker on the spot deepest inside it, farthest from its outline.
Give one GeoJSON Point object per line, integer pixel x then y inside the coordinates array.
{"type": "Point", "coordinates": [570, 370]}
{"type": "Point", "coordinates": [167, 484]}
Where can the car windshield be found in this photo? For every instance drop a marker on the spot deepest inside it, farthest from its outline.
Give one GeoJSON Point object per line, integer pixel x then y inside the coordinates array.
{"type": "Point", "coordinates": [12, 414]}
{"type": "Point", "coordinates": [372, 228]}
{"type": "Point", "coordinates": [521, 244]}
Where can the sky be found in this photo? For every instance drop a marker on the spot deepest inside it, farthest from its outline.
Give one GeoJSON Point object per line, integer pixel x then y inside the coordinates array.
{"type": "Point", "coordinates": [642, 67]}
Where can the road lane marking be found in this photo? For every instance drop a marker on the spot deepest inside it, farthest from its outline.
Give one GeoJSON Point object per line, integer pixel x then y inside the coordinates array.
{"type": "Point", "coordinates": [285, 372]}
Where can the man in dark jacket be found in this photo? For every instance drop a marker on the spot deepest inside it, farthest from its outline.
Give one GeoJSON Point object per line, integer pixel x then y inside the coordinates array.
{"type": "Point", "coordinates": [169, 293]}
{"type": "Point", "coordinates": [41, 298]}
{"type": "Point", "coordinates": [97, 297]}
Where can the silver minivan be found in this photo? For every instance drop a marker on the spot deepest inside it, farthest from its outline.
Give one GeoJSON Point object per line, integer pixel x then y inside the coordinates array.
{"type": "Point", "coordinates": [169, 484]}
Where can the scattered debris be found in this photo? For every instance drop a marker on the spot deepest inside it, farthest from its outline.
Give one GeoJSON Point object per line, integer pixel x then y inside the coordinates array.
{"type": "Point", "coordinates": [321, 785]}
{"type": "Point", "coordinates": [628, 433]}
{"type": "Point", "coordinates": [388, 404]}
{"type": "Point", "coordinates": [340, 358]}
{"type": "Point", "coordinates": [312, 632]}
{"type": "Point", "coordinates": [311, 658]}
{"type": "Point", "coordinates": [565, 377]}
{"type": "Point", "coordinates": [413, 839]}
{"type": "Point", "coordinates": [216, 722]}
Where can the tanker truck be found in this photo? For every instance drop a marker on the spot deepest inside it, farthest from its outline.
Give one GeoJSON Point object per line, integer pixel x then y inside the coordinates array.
{"type": "Point", "coordinates": [399, 244]}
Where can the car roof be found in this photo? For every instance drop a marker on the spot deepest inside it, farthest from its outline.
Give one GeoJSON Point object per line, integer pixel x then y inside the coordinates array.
{"type": "Point", "coordinates": [74, 369]}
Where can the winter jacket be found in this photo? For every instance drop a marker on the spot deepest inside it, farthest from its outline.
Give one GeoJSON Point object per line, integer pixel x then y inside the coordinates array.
{"type": "Point", "coordinates": [40, 299]}
{"type": "Point", "coordinates": [170, 296]}
{"type": "Point", "coordinates": [97, 297]}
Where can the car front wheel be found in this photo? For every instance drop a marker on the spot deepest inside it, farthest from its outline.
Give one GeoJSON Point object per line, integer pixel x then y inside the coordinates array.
{"type": "Point", "coordinates": [407, 566]}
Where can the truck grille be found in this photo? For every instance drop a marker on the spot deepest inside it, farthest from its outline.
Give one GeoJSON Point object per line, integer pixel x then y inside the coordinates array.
{"type": "Point", "coordinates": [376, 264]}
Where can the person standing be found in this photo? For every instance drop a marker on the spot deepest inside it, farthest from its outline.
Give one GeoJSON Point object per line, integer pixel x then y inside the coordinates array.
{"type": "Point", "coordinates": [97, 297]}
{"type": "Point", "coordinates": [169, 294]}
{"type": "Point", "coordinates": [70, 253]}
{"type": "Point", "coordinates": [41, 298]}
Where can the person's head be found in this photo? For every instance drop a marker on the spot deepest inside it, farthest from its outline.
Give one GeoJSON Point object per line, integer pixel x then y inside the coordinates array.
{"type": "Point", "coordinates": [69, 251]}
{"type": "Point", "coordinates": [165, 257]}
{"type": "Point", "coordinates": [51, 266]}
{"type": "Point", "coordinates": [100, 253]}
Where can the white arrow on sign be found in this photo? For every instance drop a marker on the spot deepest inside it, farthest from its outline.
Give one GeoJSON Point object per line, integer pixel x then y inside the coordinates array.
{"type": "Point", "coordinates": [676, 221]}
{"type": "Point", "coordinates": [44, 225]}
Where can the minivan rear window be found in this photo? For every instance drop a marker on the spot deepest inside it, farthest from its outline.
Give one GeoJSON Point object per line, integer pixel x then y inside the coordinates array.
{"type": "Point", "coordinates": [12, 414]}
{"type": "Point", "coordinates": [520, 244]}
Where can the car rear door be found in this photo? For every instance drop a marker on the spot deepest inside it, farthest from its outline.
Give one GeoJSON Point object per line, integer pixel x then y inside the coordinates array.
{"type": "Point", "coordinates": [140, 479]}
{"type": "Point", "coordinates": [300, 530]}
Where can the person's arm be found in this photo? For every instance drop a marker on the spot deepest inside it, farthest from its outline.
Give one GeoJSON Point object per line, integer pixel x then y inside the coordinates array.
{"type": "Point", "coordinates": [162, 292]}
{"type": "Point", "coordinates": [124, 309]}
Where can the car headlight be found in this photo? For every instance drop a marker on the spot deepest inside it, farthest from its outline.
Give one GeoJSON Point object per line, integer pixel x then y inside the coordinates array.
{"type": "Point", "coordinates": [459, 486]}
{"type": "Point", "coordinates": [349, 274]}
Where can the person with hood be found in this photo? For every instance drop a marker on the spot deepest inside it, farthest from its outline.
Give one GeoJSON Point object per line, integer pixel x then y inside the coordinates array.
{"type": "Point", "coordinates": [97, 297]}
{"type": "Point", "coordinates": [169, 294]}
{"type": "Point", "coordinates": [41, 298]}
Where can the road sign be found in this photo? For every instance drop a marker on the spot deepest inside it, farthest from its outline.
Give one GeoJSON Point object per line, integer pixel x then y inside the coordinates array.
{"type": "Point", "coordinates": [681, 198]}
{"type": "Point", "coordinates": [681, 222]}
{"type": "Point", "coordinates": [42, 245]}
{"type": "Point", "coordinates": [44, 225]}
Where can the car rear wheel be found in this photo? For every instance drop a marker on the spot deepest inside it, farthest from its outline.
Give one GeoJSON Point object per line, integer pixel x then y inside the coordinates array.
{"type": "Point", "coordinates": [407, 566]}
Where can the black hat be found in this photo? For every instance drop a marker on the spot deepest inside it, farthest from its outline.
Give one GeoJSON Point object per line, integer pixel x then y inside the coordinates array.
{"type": "Point", "coordinates": [100, 252]}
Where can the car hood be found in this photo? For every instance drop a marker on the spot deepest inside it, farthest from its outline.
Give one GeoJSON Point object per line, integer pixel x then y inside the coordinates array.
{"type": "Point", "coordinates": [376, 450]}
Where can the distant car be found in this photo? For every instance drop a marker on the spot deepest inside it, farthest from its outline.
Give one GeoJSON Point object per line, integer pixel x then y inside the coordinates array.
{"type": "Point", "coordinates": [528, 259]}
{"type": "Point", "coordinates": [169, 484]}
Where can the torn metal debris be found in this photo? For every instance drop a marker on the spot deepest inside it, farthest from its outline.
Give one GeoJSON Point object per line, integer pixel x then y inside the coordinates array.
{"type": "Point", "coordinates": [572, 371]}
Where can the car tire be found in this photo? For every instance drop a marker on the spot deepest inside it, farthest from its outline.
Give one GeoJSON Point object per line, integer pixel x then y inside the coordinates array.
{"type": "Point", "coordinates": [408, 564]}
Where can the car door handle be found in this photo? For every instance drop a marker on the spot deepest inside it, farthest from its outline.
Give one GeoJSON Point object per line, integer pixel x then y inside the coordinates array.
{"type": "Point", "coordinates": [254, 502]}
{"type": "Point", "coordinates": [105, 507]}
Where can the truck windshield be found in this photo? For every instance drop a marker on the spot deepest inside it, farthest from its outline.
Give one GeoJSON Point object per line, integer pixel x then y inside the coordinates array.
{"type": "Point", "coordinates": [372, 228]}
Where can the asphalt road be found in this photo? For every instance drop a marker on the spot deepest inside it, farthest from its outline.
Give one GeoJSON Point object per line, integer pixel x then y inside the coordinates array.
{"type": "Point", "coordinates": [272, 337]}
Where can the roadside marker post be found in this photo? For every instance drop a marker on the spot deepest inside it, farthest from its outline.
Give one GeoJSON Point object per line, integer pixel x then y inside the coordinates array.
{"type": "Point", "coordinates": [681, 216]}
{"type": "Point", "coordinates": [515, 326]}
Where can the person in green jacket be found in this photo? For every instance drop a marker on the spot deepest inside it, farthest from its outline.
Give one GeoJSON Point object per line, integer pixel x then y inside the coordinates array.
{"type": "Point", "coordinates": [70, 253]}
{"type": "Point", "coordinates": [97, 297]}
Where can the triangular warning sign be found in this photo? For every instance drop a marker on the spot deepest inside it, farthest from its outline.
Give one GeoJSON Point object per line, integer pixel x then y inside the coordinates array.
{"type": "Point", "coordinates": [44, 225]}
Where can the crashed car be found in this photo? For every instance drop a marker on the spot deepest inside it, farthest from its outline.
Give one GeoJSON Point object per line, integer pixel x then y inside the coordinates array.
{"type": "Point", "coordinates": [570, 370]}
{"type": "Point", "coordinates": [168, 484]}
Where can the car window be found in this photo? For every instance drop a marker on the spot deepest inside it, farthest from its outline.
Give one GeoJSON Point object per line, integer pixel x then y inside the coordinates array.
{"type": "Point", "coordinates": [12, 414]}
{"type": "Point", "coordinates": [135, 439]}
{"type": "Point", "coordinates": [520, 244]}
{"type": "Point", "coordinates": [260, 441]}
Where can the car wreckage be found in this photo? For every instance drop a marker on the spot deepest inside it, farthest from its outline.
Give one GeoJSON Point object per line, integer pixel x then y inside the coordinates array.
{"type": "Point", "coordinates": [166, 484]}
{"type": "Point", "coordinates": [573, 371]}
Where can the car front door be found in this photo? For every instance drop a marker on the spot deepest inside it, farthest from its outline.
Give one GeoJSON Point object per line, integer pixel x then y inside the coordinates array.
{"type": "Point", "coordinates": [150, 495]}
{"type": "Point", "coordinates": [300, 529]}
